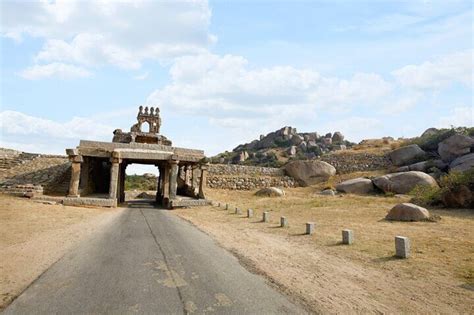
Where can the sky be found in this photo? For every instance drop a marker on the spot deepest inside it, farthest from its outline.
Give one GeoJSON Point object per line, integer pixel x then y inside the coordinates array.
{"type": "Point", "coordinates": [224, 72]}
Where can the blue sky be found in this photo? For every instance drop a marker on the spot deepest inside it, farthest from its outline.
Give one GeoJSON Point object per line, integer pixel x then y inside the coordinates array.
{"type": "Point", "coordinates": [224, 72]}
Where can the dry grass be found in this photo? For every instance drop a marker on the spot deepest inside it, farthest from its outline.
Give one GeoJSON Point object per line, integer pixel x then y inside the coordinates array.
{"type": "Point", "coordinates": [375, 146]}
{"type": "Point", "coordinates": [35, 235]}
{"type": "Point", "coordinates": [442, 252]}
{"type": "Point", "coordinates": [448, 243]}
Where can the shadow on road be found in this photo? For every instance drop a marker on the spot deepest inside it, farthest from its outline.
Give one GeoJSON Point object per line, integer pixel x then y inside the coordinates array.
{"type": "Point", "coordinates": [143, 203]}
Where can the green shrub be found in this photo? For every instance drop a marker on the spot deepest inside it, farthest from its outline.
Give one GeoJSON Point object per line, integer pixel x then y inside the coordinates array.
{"type": "Point", "coordinates": [430, 142]}
{"type": "Point", "coordinates": [427, 195]}
{"type": "Point", "coordinates": [282, 143]}
{"type": "Point", "coordinates": [456, 179]}
{"type": "Point", "coordinates": [139, 182]}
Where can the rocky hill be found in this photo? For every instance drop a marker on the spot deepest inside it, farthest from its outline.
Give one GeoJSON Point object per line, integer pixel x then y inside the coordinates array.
{"type": "Point", "coordinates": [278, 147]}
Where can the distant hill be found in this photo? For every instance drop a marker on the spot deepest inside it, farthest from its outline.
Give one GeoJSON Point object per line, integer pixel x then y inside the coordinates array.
{"type": "Point", "coordinates": [280, 146]}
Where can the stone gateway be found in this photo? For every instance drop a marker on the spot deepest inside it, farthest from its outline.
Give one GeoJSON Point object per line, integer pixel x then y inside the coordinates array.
{"type": "Point", "coordinates": [98, 168]}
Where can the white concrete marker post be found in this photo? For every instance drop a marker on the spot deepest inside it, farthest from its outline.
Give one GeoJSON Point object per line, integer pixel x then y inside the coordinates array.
{"type": "Point", "coordinates": [283, 222]}
{"type": "Point", "coordinates": [347, 237]}
{"type": "Point", "coordinates": [402, 246]}
{"type": "Point", "coordinates": [227, 206]}
{"type": "Point", "coordinates": [266, 216]}
{"type": "Point", "coordinates": [310, 228]}
{"type": "Point", "coordinates": [249, 213]}
{"type": "Point", "coordinates": [237, 211]}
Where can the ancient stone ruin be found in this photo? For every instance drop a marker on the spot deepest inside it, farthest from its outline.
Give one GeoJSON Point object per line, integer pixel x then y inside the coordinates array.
{"type": "Point", "coordinates": [98, 168]}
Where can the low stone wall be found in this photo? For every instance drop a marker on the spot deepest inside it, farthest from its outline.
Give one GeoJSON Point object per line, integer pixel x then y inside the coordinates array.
{"type": "Point", "coordinates": [357, 162]}
{"type": "Point", "coordinates": [240, 177]}
{"type": "Point", "coordinates": [51, 172]}
{"type": "Point", "coordinates": [239, 170]}
{"type": "Point", "coordinates": [28, 190]}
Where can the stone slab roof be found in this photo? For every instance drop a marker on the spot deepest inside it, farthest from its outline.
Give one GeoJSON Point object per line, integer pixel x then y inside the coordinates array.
{"type": "Point", "coordinates": [138, 151]}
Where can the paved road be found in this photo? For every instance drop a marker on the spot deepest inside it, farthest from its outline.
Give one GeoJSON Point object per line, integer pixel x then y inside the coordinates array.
{"type": "Point", "coordinates": [150, 262]}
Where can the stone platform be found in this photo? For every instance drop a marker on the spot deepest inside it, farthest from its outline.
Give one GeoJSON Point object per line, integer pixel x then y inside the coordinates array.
{"type": "Point", "coordinates": [81, 201]}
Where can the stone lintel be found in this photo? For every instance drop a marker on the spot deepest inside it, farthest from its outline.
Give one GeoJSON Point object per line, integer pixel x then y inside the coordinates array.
{"type": "Point", "coordinates": [72, 152]}
{"type": "Point", "coordinates": [76, 159]}
{"type": "Point", "coordinates": [94, 152]}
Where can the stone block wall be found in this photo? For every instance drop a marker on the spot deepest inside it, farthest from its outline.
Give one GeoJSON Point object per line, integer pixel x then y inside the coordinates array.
{"type": "Point", "coordinates": [51, 172]}
{"type": "Point", "coordinates": [356, 162]}
{"type": "Point", "coordinates": [240, 177]}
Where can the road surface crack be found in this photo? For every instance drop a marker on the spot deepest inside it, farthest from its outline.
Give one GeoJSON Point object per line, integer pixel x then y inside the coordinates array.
{"type": "Point", "coordinates": [175, 282]}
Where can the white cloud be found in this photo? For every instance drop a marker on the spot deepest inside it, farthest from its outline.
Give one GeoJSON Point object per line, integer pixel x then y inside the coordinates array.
{"type": "Point", "coordinates": [123, 34]}
{"type": "Point", "coordinates": [142, 76]}
{"type": "Point", "coordinates": [19, 124]}
{"type": "Point", "coordinates": [56, 69]}
{"type": "Point", "coordinates": [226, 88]}
{"type": "Point", "coordinates": [444, 71]}
{"type": "Point", "coordinates": [462, 116]}
{"type": "Point", "coordinates": [402, 104]}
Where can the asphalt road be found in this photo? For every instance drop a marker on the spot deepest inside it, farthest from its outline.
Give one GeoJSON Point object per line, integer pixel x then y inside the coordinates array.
{"type": "Point", "coordinates": [150, 262]}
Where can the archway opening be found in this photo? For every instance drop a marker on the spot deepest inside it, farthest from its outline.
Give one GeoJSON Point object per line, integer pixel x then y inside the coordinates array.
{"type": "Point", "coordinates": [146, 127]}
{"type": "Point", "coordinates": [141, 182]}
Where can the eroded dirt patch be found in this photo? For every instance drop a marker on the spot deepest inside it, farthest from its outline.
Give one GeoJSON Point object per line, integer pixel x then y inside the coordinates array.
{"type": "Point", "coordinates": [34, 235]}
{"type": "Point", "coordinates": [332, 278]}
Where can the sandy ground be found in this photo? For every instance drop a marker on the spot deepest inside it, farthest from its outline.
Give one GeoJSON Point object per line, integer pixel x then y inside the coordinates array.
{"type": "Point", "coordinates": [34, 235]}
{"type": "Point", "coordinates": [362, 278]}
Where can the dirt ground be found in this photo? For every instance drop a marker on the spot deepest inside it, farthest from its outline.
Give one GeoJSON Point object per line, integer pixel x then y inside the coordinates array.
{"type": "Point", "coordinates": [329, 277]}
{"type": "Point", "coordinates": [34, 235]}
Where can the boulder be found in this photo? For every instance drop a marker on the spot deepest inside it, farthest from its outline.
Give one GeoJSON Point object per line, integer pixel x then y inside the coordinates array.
{"type": "Point", "coordinates": [426, 165]}
{"type": "Point", "coordinates": [459, 197]}
{"type": "Point", "coordinates": [337, 137]}
{"type": "Point", "coordinates": [311, 144]}
{"type": "Point", "coordinates": [408, 212]}
{"type": "Point", "coordinates": [292, 150]}
{"type": "Point", "coordinates": [462, 163]}
{"type": "Point", "coordinates": [303, 146]}
{"type": "Point", "coordinates": [402, 183]}
{"type": "Point", "coordinates": [339, 147]}
{"type": "Point", "coordinates": [455, 146]}
{"type": "Point", "coordinates": [406, 155]}
{"type": "Point", "coordinates": [310, 172]}
{"type": "Point", "coordinates": [312, 136]}
{"type": "Point", "coordinates": [356, 186]}
{"type": "Point", "coordinates": [270, 192]}
{"type": "Point", "coordinates": [328, 192]}
{"type": "Point", "coordinates": [429, 132]}
{"type": "Point", "coordinates": [327, 141]}
{"type": "Point", "coordinates": [296, 139]}
{"type": "Point", "coordinates": [243, 156]}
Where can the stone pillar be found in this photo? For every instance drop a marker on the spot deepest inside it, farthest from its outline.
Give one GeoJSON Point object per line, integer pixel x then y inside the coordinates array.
{"type": "Point", "coordinates": [84, 187]}
{"type": "Point", "coordinates": [121, 185]}
{"type": "Point", "coordinates": [310, 228]}
{"type": "Point", "coordinates": [202, 182]}
{"type": "Point", "coordinates": [114, 175]}
{"type": "Point", "coordinates": [159, 185]}
{"type": "Point", "coordinates": [347, 237]}
{"type": "Point", "coordinates": [186, 175]}
{"type": "Point", "coordinates": [173, 178]}
{"type": "Point", "coordinates": [402, 247]}
{"type": "Point", "coordinates": [166, 184]}
{"type": "Point", "coordinates": [75, 178]}
{"type": "Point", "coordinates": [195, 175]}
{"type": "Point", "coordinates": [76, 160]}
